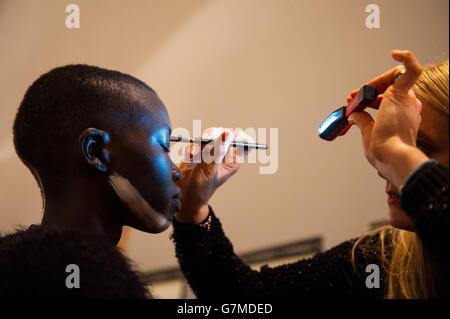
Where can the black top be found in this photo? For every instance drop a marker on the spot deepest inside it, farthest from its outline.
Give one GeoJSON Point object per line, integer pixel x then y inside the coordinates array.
{"type": "Point", "coordinates": [213, 269]}
{"type": "Point", "coordinates": [33, 265]}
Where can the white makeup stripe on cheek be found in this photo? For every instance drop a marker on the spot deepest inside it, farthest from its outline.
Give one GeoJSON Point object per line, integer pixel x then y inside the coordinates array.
{"type": "Point", "coordinates": [131, 197]}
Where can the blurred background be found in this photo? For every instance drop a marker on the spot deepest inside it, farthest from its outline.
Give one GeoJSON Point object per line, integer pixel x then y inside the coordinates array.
{"type": "Point", "coordinates": [282, 64]}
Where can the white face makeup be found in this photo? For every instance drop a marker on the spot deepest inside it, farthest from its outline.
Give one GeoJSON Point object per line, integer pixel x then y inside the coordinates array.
{"type": "Point", "coordinates": [141, 208]}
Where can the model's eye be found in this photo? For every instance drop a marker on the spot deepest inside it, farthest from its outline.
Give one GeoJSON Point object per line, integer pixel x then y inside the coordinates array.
{"type": "Point", "coordinates": [165, 147]}
{"type": "Point", "coordinates": [163, 140]}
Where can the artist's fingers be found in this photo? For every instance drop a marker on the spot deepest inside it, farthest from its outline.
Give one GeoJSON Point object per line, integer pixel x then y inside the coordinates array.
{"type": "Point", "coordinates": [216, 151]}
{"type": "Point", "coordinates": [233, 155]}
{"type": "Point", "coordinates": [364, 122]}
{"type": "Point", "coordinates": [212, 132]}
{"type": "Point", "coordinates": [207, 150]}
{"type": "Point", "coordinates": [376, 104]}
{"type": "Point", "coordinates": [237, 154]}
{"type": "Point", "coordinates": [222, 146]}
{"type": "Point", "coordinates": [412, 67]}
{"type": "Point", "coordinates": [351, 95]}
{"type": "Point", "coordinates": [185, 170]}
{"type": "Point", "coordinates": [381, 82]}
{"type": "Point", "coordinates": [185, 173]}
{"type": "Point", "coordinates": [192, 155]}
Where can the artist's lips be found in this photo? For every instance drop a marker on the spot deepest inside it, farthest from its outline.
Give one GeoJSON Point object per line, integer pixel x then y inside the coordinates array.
{"type": "Point", "coordinates": [393, 199]}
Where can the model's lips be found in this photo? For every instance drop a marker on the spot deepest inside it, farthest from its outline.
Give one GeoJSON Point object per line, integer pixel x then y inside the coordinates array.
{"type": "Point", "coordinates": [393, 199]}
{"type": "Point", "coordinates": [176, 199]}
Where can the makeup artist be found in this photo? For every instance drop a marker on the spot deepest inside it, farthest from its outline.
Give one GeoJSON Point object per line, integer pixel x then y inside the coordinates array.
{"type": "Point", "coordinates": [408, 146]}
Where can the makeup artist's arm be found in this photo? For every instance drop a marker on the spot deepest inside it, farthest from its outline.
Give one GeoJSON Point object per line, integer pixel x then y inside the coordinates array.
{"type": "Point", "coordinates": [390, 141]}
{"type": "Point", "coordinates": [201, 180]}
{"type": "Point", "coordinates": [390, 146]}
{"type": "Point", "coordinates": [213, 270]}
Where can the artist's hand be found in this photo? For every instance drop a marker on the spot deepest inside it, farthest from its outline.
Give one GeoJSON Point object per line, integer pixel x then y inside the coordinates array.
{"type": "Point", "coordinates": [390, 141]}
{"type": "Point", "coordinates": [201, 180]}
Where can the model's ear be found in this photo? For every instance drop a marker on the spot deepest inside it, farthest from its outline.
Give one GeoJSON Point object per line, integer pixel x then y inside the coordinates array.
{"type": "Point", "coordinates": [93, 148]}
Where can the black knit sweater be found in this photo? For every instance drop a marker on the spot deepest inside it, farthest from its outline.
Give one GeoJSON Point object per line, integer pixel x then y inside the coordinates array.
{"type": "Point", "coordinates": [33, 265]}
{"type": "Point", "coordinates": [213, 269]}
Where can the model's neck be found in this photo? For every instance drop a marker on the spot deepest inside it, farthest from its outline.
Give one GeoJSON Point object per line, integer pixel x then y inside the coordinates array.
{"type": "Point", "coordinates": [77, 208]}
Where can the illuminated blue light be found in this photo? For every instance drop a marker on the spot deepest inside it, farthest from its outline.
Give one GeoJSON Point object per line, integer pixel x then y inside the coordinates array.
{"type": "Point", "coordinates": [330, 120]}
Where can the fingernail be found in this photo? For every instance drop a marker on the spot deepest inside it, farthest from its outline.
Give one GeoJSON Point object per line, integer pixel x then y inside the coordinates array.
{"type": "Point", "coordinates": [351, 120]}
{"type": "Point", "coordinates": [222, 136]}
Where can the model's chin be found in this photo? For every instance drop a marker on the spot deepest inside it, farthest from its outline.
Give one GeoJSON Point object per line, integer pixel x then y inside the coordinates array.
{"type": "Point", "coordinates": [163, 224]}
{"type": "Point", "coordinates": [161, 228]}
{"type": "Point", "coordinates": [156, 226]}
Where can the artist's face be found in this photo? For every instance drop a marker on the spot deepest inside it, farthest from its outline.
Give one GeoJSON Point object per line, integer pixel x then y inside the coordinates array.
{"type": "Point", "coordinates": [142, 157]}
{"type": "Point", "coordinates": [432, 139]}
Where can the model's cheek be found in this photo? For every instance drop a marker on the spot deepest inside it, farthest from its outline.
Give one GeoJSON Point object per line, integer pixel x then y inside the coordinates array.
{"type": "Point", "coordinates": [162, 174]}
{"type": "Point", "coordinates": [162, 166]}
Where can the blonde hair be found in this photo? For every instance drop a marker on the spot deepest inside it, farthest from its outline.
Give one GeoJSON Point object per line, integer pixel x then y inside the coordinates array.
{"type": "Point", "coordinates": [410, 271]}
{"type": "Point", "coordinates": [432, 86]}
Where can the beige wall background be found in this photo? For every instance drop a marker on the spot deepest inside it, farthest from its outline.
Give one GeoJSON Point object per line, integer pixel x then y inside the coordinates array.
{"type": "Point", "coordinates": [231, 63]}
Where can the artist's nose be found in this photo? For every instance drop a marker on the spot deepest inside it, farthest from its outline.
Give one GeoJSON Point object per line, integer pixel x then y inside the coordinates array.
{"type": "Point", "coordinates": [176, 175]}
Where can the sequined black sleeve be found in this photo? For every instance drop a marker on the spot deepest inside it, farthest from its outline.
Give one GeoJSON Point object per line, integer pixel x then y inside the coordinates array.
{"type": "Point", "coordinates": [213, 270]}
{"type": "Point", "coordinates": [425, 198]}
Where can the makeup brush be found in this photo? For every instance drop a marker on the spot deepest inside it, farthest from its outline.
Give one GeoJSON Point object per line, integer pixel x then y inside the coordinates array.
{"type": "Point", "coordinates": [203, 141]}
